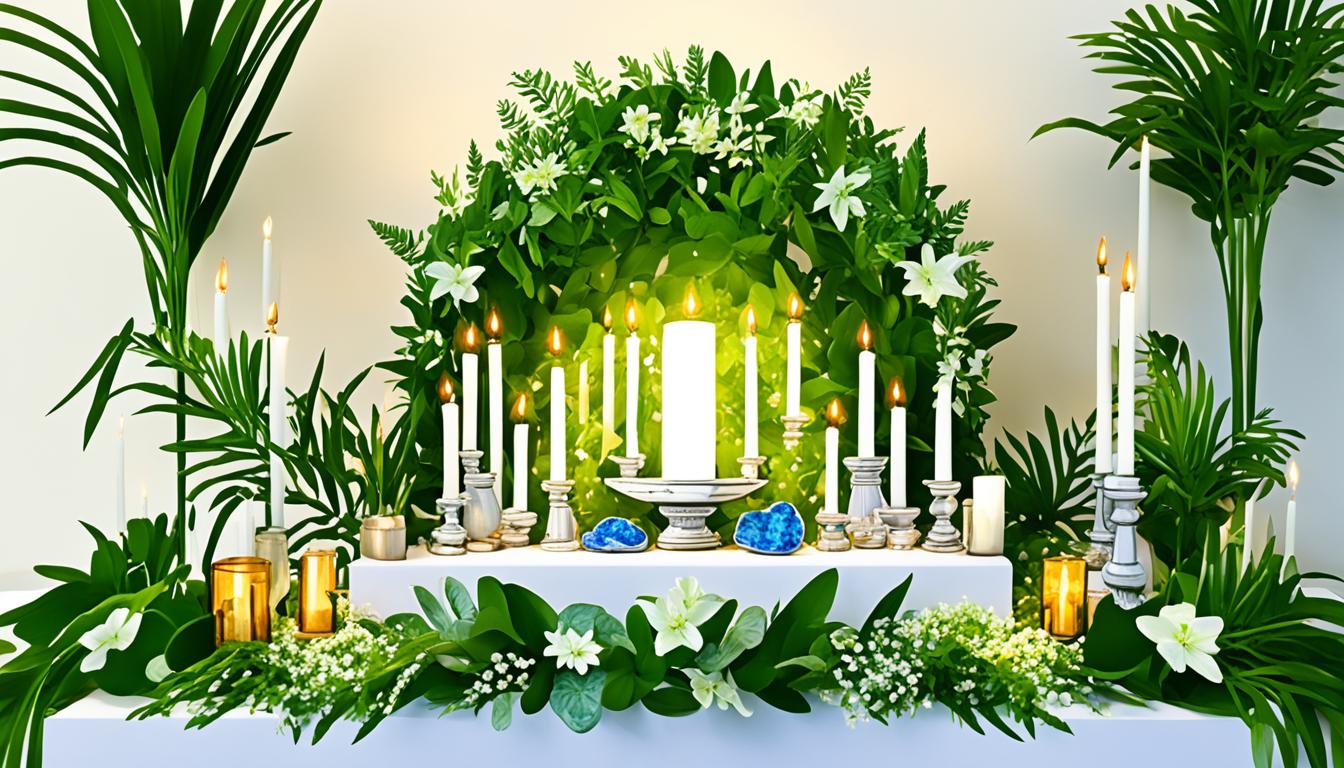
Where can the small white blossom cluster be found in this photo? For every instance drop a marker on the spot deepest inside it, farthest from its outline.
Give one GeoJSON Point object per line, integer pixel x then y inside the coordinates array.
{"type": "Point", "coordinates": [962, 363]}
{"type": "Point", "coordinates": [960, 653]}
{"type": "Point", "coordinates": [507, 672]}
{"type": "Point", "coordinates": [702, 129]}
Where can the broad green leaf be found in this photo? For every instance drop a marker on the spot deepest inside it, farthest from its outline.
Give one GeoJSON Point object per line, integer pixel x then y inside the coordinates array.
{"type": "Point", "coordinates": [577, 699]}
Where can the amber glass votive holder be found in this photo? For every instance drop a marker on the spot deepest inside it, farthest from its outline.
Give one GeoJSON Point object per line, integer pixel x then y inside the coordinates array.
{"type": "Point", "coordinates": [317, 580]}
{"type": "Point", "coordinates": [240, 599]}
{"type": "Point", "coordinates": [1064, 597]}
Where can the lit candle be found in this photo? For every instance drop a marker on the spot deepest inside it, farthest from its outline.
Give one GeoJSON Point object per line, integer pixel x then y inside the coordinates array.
{"type": "Point", "coordinates": [1063, 596]}
{"type": "Point", "coordinates": [268, 291]}
{"type": "Point", "coordinates": [793, 380]}
{"type": "Point", "coordinates": [751, 446]}
{"type": "Point", "coordinates": [556, 344]}
{"type": "Point", "coordinates": [1248, 529]}
{"type": "Point", "coordinates": [278, 425]}
{"type": "Point", "coordinates": [867, 365]}
{"type": "Point", "coordinates": [1102, 462]}
{"type": "Point", "coordinates": [222, 331]}
{"type": "Point", "coordinates": [317, 579]}
{"type": "Point", "coordinates": [1142, 269]}
{"type": "Point", "coordinates": [608, 374]}
{"type": "Point", "coordinates": [1290, 529]}
{"type": "Point", "coordinates": [689, 407]}
{"type": "Point", "coordinates": [121, 475]}
{"type": "Point", "coordinates": [987, 515]}
{"type": "Point", "coordinates": [896, 401]}
{"type": "Point", "coordinates": [583, 392]}
{"type": "Point", "coordinates": [942, 432]}
{"type": "Point", "coordinates": [521, 469]}
{"type": "Point", "coordinates": [1125, 425]}
{"type": "Point", "coordinates": [494, 358]}
{"type": "Point", "coordinates": [470, 382]}
{"type": "Point", "coordinates": [452, 487]}
{"type": "Point", "coordinates": [631, 381]}
{"type": "Point", "coordinates": [835, 414]}
{"type": "Point", "coordinates": [144, 501]}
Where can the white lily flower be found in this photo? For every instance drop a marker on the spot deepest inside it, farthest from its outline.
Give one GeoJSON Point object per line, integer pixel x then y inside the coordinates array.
{"type": "Point", "coordinates": [975, 367]}
{"type": "Point", "coordinates": [526, 177]}
{"type": "Point", "coordinates": [740, 106]}
{"type": "Point", "coordinates": [637, 121]}
{"type": "Point", "coordinates": [711, 687]}
{"type": "Point", "coordinates": [454, 280]}
{"type": "Point", "coordinates": [838, 195]}
{"type": "Point", "coordinates": [1184, 640]}
{"type": "Point", "coordinates": [570, 649]}
{"type": "Point", "coordinates": [700, 132]}
{"type": "Point", "coordinates": [933, 278]}
{"type": "Point", "coordinates": [676, 616]}
{"type": "Point", "coordinates": [115, 634]}
{"type": "Point", "coordinates": [658, 143]}
{"type": "Point", "coordinates": [548, 170]}
{"type": "Point", "coordinates": [804, 113]}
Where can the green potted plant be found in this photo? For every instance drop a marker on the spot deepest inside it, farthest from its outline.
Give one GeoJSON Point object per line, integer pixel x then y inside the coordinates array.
{"type": "Point", "coordinates": [383, 465]}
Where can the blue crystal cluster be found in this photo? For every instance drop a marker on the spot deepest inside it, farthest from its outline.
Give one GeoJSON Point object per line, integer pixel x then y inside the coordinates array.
{"type": "Point", "coordinates": [615, 534]}
{"type": "Point", "coordinates": [774, 531]}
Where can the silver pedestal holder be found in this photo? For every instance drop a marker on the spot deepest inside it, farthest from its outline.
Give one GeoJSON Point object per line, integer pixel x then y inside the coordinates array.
{"type": "Point", "coordinates": [481, 515]}
{"type": "Point", "coordinates": [630, 465]}
{"type": "Point", "coordinates": [561, 529]}
{"type": "Point", "coordinates": [751, 466]}
{"type": "Point", "coordinates": [900, 522]}
{"type": "Point", "coordinates": [449, 538]}
{"type": "Point", "coordinates": [471, 461]}
{"type": "Point", "coordinates": [865, 499]}
{"type": "Point", "coordinates": [832, 536]}
{"type": "Point", "coordinates": [1102, 534]}
{"type": "Point", "coordinates": [793, 429]}
{"type": "Point", "coordinates": [1123, 573]}
{"type": "Point", "coordinates": [516, 525]}
{"type": "Point", "coordinates": [943, 536]}
{"type": "Point", "coordinates": [686, 504]}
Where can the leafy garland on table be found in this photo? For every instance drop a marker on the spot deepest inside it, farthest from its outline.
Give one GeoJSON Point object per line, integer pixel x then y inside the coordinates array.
{"type": "Point", "coordinates": [675, 655]}
{"type": "Point", "coordinates": [746, 189]}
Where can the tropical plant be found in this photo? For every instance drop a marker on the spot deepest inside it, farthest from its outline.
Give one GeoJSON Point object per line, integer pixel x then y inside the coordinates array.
{"type": "Point", "coordinates": [1233, 94]}
{"type": "Point", "coordinates": [165, 115]}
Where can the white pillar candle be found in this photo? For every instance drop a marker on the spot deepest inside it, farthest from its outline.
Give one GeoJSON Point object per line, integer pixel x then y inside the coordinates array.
{"type": "Point", "coordinates": [277, 423]}
{"type": "Point", "coordinates": [222, 331]}
{"type": "Point", "coordinates": [1248, 530]}
{"type": "Point", "coordinates": [867, 368]}
{"type": "Point", "coordinates": [1102, 461]}
{"type": "Point", "coordinates": [608, 375]}
{"type": "Point", "coordinates": [1125, 417]}
{"type": "Point", "coordinates": [831, 497]}
{"type": "Point", "coordinates": [632, 381]}
{"type": "Point", "coordinates": [521, 467]}
{"type": "Point", "coordinates": [987, 515]}
{"type": "Point", "coordinates": [942, 432]}
{"type": "Point", "coordinates": [452, 486]}
{"type": "Point", "coordinates": [144, 501]}
{"type": "Point", "coordinates": [494, 359]}
{"type": "Point", "coordinates": [1143, 268]}
{"type": "Point", "coordinates": [268, 292]}
{"type": "Point", "coordinates": [1290, 526]}
{"type": "Point", "coordinates": [751, 445]}
{"type": "Point", "coordinates": [896, 399]}
{"type": "Point", "coordinates": [793, 378]}
{"type": "Point", "coordinates": [558, 468]}
{"type": "Point", "coordinates": [121, 475]}
{"type": "Point", "coordinates": [689, 408]}
{"type": "Point", "coordinates": [470, 382]}
{"type": "Point", "coordinates": [247, 527]}
{"type": "Point", "coordinates": [583, 392]}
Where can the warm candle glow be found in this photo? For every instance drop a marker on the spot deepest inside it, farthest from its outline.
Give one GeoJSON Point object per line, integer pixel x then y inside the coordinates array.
{"type": "Point", "coordinates": [895, 393]}
{"type": "Point", "coordinates": [835, 413]}
{"type": "Point", "coordinates": [272, 317]}
{"type": "Point", "coordinates": [1101, 257]}
{"type": "Point", "coordinates": [1127, 274]}
{"type": "Point", "coordinates": [471, 338]}
{"type": "Point", "coordinates": [222, 277]}
{"type": "Point", "coordinates": [606, 319]}
{"type": "Point", "coordinates": [555, 341]}
{"type": "Point", "coordinates": [865, 336]}
{"type": "Point", "coordinates": [266, 228]}
{"type": "Point", "coordinates": [751, 319]}
{"type": "Point", "coordinates": [1292, 477]}
{"type": "Point", "coordinates": [795, 307]}
{"type": "Point", "coordinates": [631, 316]}
{"type": "Point", "coordinates": [494, 327]}
{"type": "Point", "coordinates": [446, 393]}
{"type": "Point", "coordinates": [519, 412]}
{"type": "Point", "coordinates": [692, 304]}
{"type": "Point", "coordinates": [1063, 597]}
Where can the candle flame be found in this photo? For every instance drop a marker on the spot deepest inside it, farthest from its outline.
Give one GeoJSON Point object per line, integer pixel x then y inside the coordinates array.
{"type": "Point", "coordinates": [272, 317]}
{"type": "Point", "coordinates": [519, 412]}
{"type": "Point", "coordinates": [494, 327]}
{"type": "Point", "coordinates": [470, 338]}
{"type": "Point", "coordinates": [835, 413]}
{"type": "Point", "coordinates": [222, 276]}
{"type": "Point", "coordinates": [631, 316]}
{"type": "Point", "coordinates": [606, 318]}
{"type": "Point", "coordinates": [751, 319]}
{"type": "Point", "coordinates": [795, 309]}
{"type": "Point", "coordinates": [865, 336]}
{"type": "Point", "coordinates": [896, 393]}
{"type": "Point", "coordinates": [1127, 274]}
{"type": "Point", "coordinates": [446, 393]}
{"type": "Point", "coordinates": [1293, 477]}
{"type": "Point", "coordinates": [1064, 588]}
{"type": "Point", "coordinates": [692, 304]}
{"type": "Point", "coordinates": [266, 228]}
{"type": "Point", "coordinates": [555, 341]}
{"type": "Point", "coordinates": [1101, 257]}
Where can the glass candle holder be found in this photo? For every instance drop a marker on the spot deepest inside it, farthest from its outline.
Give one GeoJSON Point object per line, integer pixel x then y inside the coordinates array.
{"type": "Point", "coordinates": [1064, 597]}
{"type": "Point", "coordinates": [317, 580]}
{"type": "Point", "coordinates": [272, 544]}
{"type": "Point", "coordinates": [240, 599]}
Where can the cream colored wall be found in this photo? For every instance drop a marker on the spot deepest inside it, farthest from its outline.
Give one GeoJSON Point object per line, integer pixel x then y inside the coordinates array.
{"type": "Point", "coordinates": [385, 91]}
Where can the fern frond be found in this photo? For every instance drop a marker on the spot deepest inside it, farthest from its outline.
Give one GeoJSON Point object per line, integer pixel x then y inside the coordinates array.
{"type": "Point", "coordinates": [511, 116]}
{"type": "Point", "coordinates": [639, 75]}
{"type": "Point", "coordinates": [854, 92]}
{"type": "Point", "coordinates": [668, 67]}
{"type": "Point", "coordinates": [475, 164]}
{"type": "Point", "coordinates": [552, 100]}
{"type": "Point", "coordinates": [403, 242]}
{"type": "Point", "coordinates": [697, 70]}
{"type": "Point", "coordinates": [590, 82]}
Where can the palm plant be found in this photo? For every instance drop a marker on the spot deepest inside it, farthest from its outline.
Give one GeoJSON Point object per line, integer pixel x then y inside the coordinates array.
{"type": "Point", "coordinates": [164, 113]}
{"type": "Point", "coordinates": [1232, 93]}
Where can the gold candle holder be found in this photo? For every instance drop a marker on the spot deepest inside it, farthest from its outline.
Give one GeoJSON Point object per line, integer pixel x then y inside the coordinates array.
{"type": "Point", "coordinates": [239, 598]}
{"type": "Point", "coordinates": [1064, 597]}
{"type": "Point", "coordinates": [317, 580]}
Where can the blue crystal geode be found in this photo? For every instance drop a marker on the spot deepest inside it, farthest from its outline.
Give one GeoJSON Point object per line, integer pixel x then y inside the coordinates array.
{"type": "Point", "coordinates": [615, 534]}
{"type": "Point", "coordinates": [774, 531]}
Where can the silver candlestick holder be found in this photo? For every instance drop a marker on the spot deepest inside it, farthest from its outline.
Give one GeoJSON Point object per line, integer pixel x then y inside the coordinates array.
{"type": "Point", "coordinates": [481, 515]}
{"type": "Point", "coordinates": [832, 535]}
{"type": "Point", "coordinates": [471, 461]}
{"type": "Point", "coordinates": [561, 529]}
{"type": "Point", "coordinates": [943, 536]}
{"type": "Point", "coordinates": [751, 466]}
{"type": "Point", "coordinates": [630, 466]}
{"type": "Point", "coordinates": [865, 498]}
{"type": "Point", "coordinates": [1102, 534]}
{"type": "Point", "coordinates": [900, 522]}
{"type": "Point", "coordinates": [1123, 573]}
{"type": "Point", "coordinates": [450, 538]}
{"type": "Point", "coordinates": [793, 429]}
{"type": "Point", "coordinates": [516, 526]}
{"type": "Point", "coordinates": [686, 504]}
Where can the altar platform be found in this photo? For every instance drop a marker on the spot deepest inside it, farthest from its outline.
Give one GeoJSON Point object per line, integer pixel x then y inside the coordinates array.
{"type": "Point", "coordinates": [615, 581]}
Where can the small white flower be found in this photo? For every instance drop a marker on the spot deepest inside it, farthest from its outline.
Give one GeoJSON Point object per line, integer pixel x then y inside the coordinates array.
{"type": "Point", "coordinates": [804, 113]}
{"type": "Point", "coordinates": [541, 175]}
{"type": "Point", "coordinates": [700, 132]}
{"type": "Point", "coordinates": [1184, 640]}
{"type": "Point", "coordinates": [454, 280]}
{"type": "Point", "coordinates": [637, 121]}
{"type": "Point", "coordinates": [932, 278]}
{"type": "Point", "coordinates": [660, 143]}
{"type": "Point", "coordinates": [570, 649]}
{"type": "Point", "coordinates": [740, 105]}
{"type": "Point", "coordinates": [115, 634]}
{"type": "Point", "coordinates": [708, 688]}
{"type": "Point", "coordinates": [837, 195]}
